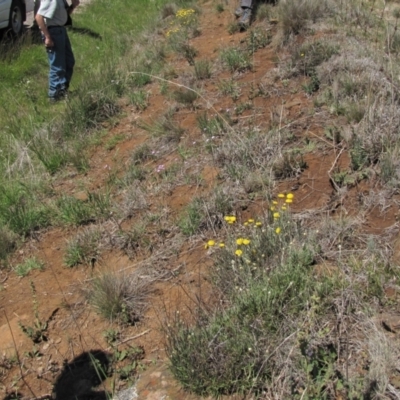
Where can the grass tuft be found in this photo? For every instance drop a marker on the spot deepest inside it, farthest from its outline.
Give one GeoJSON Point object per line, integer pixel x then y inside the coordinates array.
{"type": "Point", "coordinates": [120, 297]}
{"type": "Point", "coordinates": [27, 266]}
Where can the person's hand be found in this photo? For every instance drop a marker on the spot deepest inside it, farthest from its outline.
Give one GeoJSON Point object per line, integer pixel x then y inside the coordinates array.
{"type": "Point", "coordinates": [48, 42]}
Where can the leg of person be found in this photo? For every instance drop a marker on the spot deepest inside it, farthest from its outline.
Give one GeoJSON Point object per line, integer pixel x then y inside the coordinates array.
{"type": "Point", "coordinates": [57, 61]}
{"type": "Point", "coordinates": [246, 6]}
{"type": "Point", "coordinates": [239, 11]}
{"type": "Point", "coordinates": [69, 62]}
{"type": "Point", "coordinates": [242, 6]}
{"type": "Point", "coordinates": [246, 3]}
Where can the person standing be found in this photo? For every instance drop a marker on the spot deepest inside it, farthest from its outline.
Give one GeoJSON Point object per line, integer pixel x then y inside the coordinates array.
{"type": "Point", "coordinates": [51, 18]}
{"type": "Point", "coordinates": [244, 12]}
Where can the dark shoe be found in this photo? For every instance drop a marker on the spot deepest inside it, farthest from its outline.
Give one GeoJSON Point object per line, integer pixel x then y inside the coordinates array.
{"type": "Point", "coordinates": [239, 12]}
{"type": "Point", "coordinates": [246, 18]}
{"type": "Point", "coordinates": [61, 95]}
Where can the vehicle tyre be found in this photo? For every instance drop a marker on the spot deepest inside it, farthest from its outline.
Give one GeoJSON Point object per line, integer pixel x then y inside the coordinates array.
{"type": "Point", "coordinates": [17, 17]}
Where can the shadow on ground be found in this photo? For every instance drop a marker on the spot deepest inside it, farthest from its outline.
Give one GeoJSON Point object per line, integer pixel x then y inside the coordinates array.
{"type": "Point", "coordinates": [79, 377]}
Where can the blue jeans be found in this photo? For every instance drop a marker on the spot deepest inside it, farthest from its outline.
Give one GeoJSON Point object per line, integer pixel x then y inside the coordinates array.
{"type": "Point", "coordinates": [61, 61]}
{"type": "Point", "coordinates": [246, 3]}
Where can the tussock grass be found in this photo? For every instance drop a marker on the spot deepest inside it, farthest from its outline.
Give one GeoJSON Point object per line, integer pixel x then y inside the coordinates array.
{"type": "Point", "coordinates": [369, 102]}
{"type": "Point", "coordinates": [164, 128]}
{"type": "Point", "coordinates": [22, 210]}
{"type": "Point", "coordinates": [294, 16]}
{"type": "Point", "coordinates": [250, 150]}
{"type": "Point", "coordinates": [7, 243]}
{"type": "Point", "coordinates": [121, 297]}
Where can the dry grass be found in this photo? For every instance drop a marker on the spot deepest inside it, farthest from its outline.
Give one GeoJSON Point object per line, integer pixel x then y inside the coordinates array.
{"type": "Point", "coordinates": [121, 297]}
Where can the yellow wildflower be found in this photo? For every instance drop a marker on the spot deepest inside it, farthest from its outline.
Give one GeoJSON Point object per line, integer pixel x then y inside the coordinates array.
{"type": "Point", "coordinates": [274, 202]}
{"type": "Point", "coordinates": [246, 241]}
{"type": "Point", "coordinates": [222, 245]}
{"type": "Point", "coordinates": [276, 215]}
{"type": "Point", "coordinates": [238, 252]}
{"type": "Point", "coordinates": [258, 223]}
{"type": "Point", "coordinates": [284, 208]}
{"type": "Point", "coordinates": [289, 201]}
{"type": "Point", "coordinates": [278, 230]}
{"type": "Point", "coordinates": [230, 219]}
{"type": "Point", "coordinates": [281, 195]}
{"type": "Point", "coordinates": [210, 243]}
{"type": "Point", "coordinates": [239, 241]}
{"type": "Point", "coordinates": [250, 221]}
{"type": "Point", "coordinates": [290, 196]}
{"type": "Point", "coordinates": [272, 208]}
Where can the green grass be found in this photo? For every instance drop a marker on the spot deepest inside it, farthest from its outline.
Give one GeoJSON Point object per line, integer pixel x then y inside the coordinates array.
{"type": "Point", "coordinates": [38, 138]}
{"type": "Point", "coordinates": [28, 265]}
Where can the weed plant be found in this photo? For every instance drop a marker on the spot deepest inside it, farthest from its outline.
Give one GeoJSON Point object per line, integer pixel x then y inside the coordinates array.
{"type": "Point", "coordinates": [21, 208]}
{"type": "Point", "coordinates": [7, 243]}
{"type": "Point", "coordinates": [211, 126]}
{"type": "Point", "coordinates": [84, 248]}
{"type": "Point", "coordinates": [36, 332]}
{"type": "Point", "coordinates": [236, 60]}
{"type": "Point", "coordinates": [202, 69]}
{"type": "Point", "coordinates": [139, 99]}
{"type": "Point", "coordinates": [28, 265]}
{"type": "Point", "coordinates": [186, 97]}
{"type": "Point", "coordinates": [273, 313]}
{"type": "Point", "coordinates": [241, 340]}
{"type": "Point", "coordinates": [257, 39]}
{"type": "Point", "coordinates": [230, 88]}
{"type": "Point", "coordinates": [190, 220]}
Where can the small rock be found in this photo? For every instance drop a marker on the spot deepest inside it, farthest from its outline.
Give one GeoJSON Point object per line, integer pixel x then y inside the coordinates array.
{"type": "Point", "coordinates": [82, 196]}
{"type": "Point", "coordinates": [391, 322]}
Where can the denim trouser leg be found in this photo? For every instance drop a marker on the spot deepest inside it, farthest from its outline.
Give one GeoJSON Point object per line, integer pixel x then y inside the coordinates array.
{"type": "Point", "coordinates": [246, 3]}
{"type": "Point", "coordinates": [61, 61]}
{"type": "Point", "coordinates": [69, 63]}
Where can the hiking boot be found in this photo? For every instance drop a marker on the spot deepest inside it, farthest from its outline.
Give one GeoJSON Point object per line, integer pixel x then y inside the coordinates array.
{"type": "Point", "coordinates": [61, 95]}
{"type": "Point", "coordinates": [239, 12]}
{"type": "Point", "coordinates": [246, 18]}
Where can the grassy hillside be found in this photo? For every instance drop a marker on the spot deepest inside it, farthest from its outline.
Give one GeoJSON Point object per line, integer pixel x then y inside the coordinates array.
{"type": "Point", "coordinates": [226, 199]}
